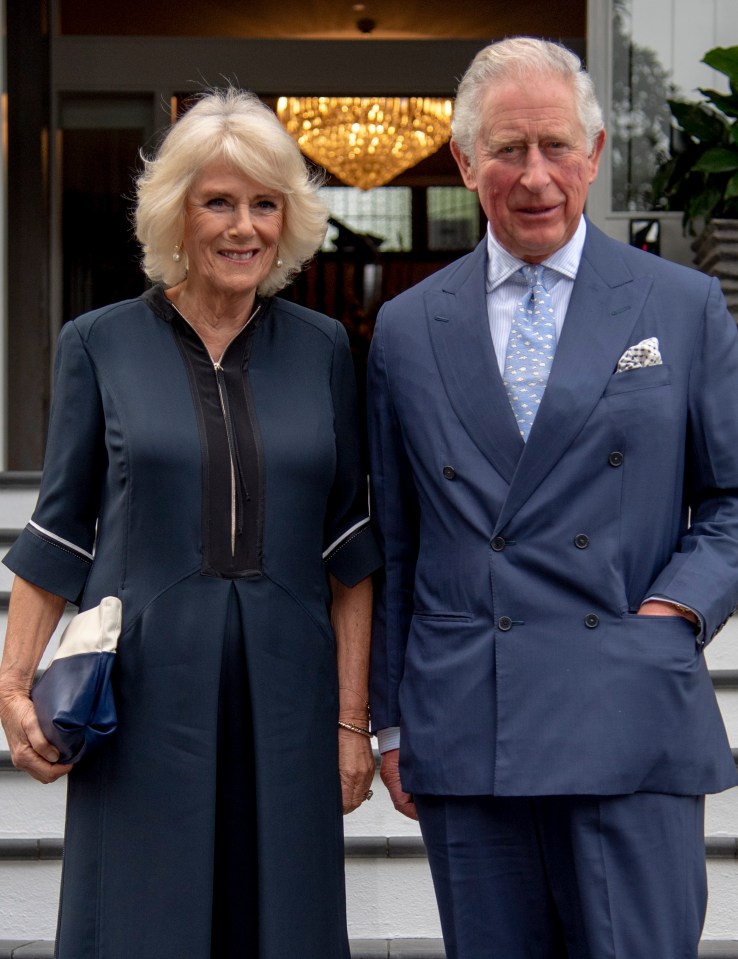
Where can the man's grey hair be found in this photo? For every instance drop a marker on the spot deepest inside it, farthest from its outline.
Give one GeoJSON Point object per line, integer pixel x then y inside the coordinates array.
{"type": "Point", "coordinates": [520, 58]}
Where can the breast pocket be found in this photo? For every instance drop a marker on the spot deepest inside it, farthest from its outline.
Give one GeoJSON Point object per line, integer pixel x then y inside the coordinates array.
{"type": "Point", "coordinates": [645, 378]}
{"type": "Point", "coordinates": [646, 409]}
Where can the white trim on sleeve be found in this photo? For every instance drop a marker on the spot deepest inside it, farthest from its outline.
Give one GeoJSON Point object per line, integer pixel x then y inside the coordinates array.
{"type": "Point", "coordinates": [344, 537]}
{"type": "Point", "coordinates": [59, 539]}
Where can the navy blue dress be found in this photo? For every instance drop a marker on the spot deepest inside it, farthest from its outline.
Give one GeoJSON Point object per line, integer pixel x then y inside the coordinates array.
{"type": "Point", "coordinates": [213, 501]}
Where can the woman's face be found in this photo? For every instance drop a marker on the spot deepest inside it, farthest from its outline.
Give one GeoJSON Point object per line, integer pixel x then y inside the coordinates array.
{"type": "Point", "coordinates": [231, 233]}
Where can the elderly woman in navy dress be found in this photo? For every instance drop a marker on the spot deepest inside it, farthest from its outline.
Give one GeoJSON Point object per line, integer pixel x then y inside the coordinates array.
{"type": "Point", "coordinates": [203, 464]}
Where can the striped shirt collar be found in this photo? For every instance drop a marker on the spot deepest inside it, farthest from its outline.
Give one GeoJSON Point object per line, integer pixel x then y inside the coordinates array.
{"type": "Point", "coordinates": [501, 265]}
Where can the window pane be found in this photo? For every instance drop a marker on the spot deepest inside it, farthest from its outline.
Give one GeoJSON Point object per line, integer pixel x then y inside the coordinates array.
{"type": "Point", "coordinates": [453, 218]}
{"type": "Point", "coordinates": [640, 124]}
{"type": "Point", "coordinates": [385, 213]}
{"type": "Point", "coordinates": [658, 47]}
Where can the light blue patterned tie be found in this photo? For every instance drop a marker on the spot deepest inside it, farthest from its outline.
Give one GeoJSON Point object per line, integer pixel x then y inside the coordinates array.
{"type": "Point", "coordinates": [530, 350]}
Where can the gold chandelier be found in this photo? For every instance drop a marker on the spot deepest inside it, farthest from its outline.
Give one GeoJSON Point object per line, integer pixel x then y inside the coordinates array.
{"type": "Point", "coordinates": [366, 141]}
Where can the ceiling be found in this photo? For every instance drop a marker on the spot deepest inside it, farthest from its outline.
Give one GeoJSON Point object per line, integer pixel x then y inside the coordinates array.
{"type": "Point", "coordinates": [325, 19]}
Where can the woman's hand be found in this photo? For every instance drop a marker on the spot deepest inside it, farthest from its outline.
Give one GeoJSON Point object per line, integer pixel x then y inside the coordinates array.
{"type": "Point", "coordinates": [29, 748]}
{"type": "Point", "coordinates": [355, 767]}
{"type": "Point", "coordinates": [351, 615]}
{"type": "Point", "coordinates": [33, 615]}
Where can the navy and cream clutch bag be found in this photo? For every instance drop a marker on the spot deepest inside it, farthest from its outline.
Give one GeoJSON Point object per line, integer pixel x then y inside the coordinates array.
{"type": "Point", "coordinates": [74, 697]}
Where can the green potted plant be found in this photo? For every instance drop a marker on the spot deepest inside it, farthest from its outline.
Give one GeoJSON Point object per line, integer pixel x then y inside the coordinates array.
{"type": "Point", "coordinates": [700, 178]}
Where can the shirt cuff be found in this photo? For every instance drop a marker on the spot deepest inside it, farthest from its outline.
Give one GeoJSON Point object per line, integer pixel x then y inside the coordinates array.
{"type": "Point", "coordinates": [388, 738]}
{"type": "Point", "coordinates": [673, 602]}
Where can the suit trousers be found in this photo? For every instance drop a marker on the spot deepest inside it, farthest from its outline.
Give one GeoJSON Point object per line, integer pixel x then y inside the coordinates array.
{"type": "Point", "coordinates": [567, 877]}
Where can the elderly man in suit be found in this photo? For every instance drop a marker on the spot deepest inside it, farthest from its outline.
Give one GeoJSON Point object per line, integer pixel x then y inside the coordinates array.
{"type": "Point", "coordinates": [554, 435]}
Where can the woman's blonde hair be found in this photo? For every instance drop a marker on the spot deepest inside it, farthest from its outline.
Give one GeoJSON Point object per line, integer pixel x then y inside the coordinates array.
{"type": "Point", "coordinates": [234, 126]}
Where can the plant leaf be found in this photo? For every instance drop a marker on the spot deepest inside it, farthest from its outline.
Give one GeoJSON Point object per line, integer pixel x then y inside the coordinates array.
{"type": "Point", "coordinates": [680, 178]}
{"type": "Point", "coordinates": [697, 121]}
{"type": "Point", "coordinates": [728, 103]}
{"type": "Point", "coordinates": [724, 60]}
{"type": "Point", "coordinates": [717, 160]}
{"type": "Point", "coordinates": [702, 204]}
{"type": "Point", "coordinates": [731, 190]}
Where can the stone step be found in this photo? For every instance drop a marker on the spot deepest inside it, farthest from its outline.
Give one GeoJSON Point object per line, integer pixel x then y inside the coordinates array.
{"type": "Point", "coordinates": [360, 949]}
{"type": "Point", "coordinates": [18, 495]}
{"type": "Point", "coordinates": [6, 575]}
{"type": "Point", "coordinates": [433, 949]}
{"type": "Point", "coordinates": [389, 889]}
{"type": "Point", "coordinates": [727, 696]}
{"type": "Point", "coordinates": [32, 810]}
{"type": "Point", "coordinates": [722, 652]}
{"type": "Point", "coordinates": [29, 809]}
{"type": "Point", "coordinates": [17, 849]}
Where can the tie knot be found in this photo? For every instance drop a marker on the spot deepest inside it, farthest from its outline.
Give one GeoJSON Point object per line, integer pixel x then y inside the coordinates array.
{"type": "Point", "coordinates": [533, 274]}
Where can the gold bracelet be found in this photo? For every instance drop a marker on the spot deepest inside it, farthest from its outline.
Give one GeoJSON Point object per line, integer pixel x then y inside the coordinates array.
{"type": "Point", "coordinates": [355, 729]}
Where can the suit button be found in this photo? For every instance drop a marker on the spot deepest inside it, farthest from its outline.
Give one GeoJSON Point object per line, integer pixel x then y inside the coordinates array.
{"type": "Point", "coordinates": [581, 541]}
{"type": "Point", "coordinates": [449, 472]}
{"type": "Point", "coordinates": [615, 458]}
{"type": "Point", "coordinates": [504, 623]}
{"type": "Point", "coordinates": [591, 621]}
{"type": "Point", "coordinates": [498, 544]}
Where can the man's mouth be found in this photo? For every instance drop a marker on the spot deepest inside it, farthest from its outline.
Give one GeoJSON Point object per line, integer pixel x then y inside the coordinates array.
{"type": "Point", "coordinates": [536, 210]}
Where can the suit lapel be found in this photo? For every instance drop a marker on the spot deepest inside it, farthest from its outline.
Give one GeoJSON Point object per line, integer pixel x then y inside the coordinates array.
{"type": "Point", "coordinates": [461, 340]}
{"type": "Point", "coordinates": [605, 304]}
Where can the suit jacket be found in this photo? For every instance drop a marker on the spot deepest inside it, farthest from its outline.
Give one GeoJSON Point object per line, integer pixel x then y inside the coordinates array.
{"type": "Point", "coordinates": [506, 642]}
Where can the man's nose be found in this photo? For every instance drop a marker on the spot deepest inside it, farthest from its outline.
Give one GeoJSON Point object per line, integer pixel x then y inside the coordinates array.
{"type": "Point", "coordinates": [535, 175]}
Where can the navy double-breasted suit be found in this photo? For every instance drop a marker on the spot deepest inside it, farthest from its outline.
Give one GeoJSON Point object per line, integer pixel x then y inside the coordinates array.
{"type": "Point", "coordinates": [506, 642]}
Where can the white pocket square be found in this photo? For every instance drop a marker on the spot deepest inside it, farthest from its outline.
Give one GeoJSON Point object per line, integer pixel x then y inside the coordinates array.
{"type": "Point", "coordinates": [645, 353]}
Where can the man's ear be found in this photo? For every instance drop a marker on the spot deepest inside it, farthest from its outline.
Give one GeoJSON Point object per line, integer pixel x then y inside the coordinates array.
{"type": "Point", "coordinates": [594, 158]}
{"type": "Point", "coordinates": [465, 167]}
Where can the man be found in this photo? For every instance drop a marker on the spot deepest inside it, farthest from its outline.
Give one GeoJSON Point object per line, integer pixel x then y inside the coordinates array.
{"type": "Point", "coordinates": [555, 560]}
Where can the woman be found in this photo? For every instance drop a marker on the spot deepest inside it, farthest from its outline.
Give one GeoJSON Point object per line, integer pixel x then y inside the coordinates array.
{"type": "Point", "coordinates": [203, 465]}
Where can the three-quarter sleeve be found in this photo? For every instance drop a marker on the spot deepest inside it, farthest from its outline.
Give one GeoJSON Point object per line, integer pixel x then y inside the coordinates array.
{"type": "Point", "coordinates": [55, 550]}
{"type": "Point", "coordinates": [350, 550]}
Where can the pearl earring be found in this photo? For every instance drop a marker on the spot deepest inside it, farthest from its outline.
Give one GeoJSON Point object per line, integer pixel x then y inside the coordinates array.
{"type": "Point", "coordinates": [280, 261]}
{"type": "Point", "coordinates": [176, 256]}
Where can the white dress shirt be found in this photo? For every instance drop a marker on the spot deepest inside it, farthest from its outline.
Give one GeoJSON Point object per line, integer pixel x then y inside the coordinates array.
{"type": "Point", "coordinates": [506, 287]}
